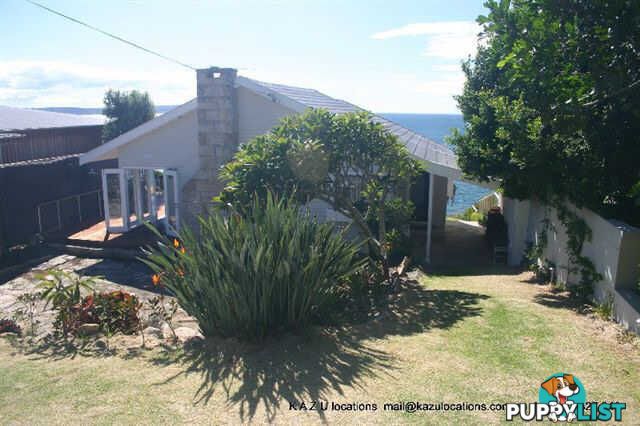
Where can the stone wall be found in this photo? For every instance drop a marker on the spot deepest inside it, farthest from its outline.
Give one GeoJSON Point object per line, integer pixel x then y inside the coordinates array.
{"type": "Point", "coordinates": [217, 115]}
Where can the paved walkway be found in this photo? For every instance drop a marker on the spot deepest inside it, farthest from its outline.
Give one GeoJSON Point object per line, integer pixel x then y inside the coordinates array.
{"type": "Point", "coordinates": [460, 244]}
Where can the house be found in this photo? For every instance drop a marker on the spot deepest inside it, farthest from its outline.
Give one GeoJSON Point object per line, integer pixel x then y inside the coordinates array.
{"type": "Point", "coordinates": [167, 167]}
{"type": "Point", "coordinates": [39, 153]}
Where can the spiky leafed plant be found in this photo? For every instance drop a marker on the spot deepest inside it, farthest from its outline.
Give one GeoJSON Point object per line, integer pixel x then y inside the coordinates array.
{"type": "Point", "coordinates": [268, 270]}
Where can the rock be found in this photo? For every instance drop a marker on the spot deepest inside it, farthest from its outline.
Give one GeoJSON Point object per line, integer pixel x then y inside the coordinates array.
{"type": "Point", "coordinates": [166, 331]}
{"type": "Point", "coordinates": [154, 332]}
{"type": "Point", "coordinates": [88, 329]}
{"type": "Point", "coordinates": [186, 333]}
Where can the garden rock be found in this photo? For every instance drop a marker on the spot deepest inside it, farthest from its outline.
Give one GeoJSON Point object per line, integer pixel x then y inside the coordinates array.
{"type": "Point", "coordinates": [88, 329]}
{"type": "Point", "coordinates": [186, 333]}
{"type": "Point", "coordinates": [166, 331]}
{"type": "Point", "coordinates": [154, 332]}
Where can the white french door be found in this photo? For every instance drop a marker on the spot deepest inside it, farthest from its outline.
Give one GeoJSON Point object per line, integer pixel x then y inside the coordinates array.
{"type": "Point", "coordinates": [133, 196]}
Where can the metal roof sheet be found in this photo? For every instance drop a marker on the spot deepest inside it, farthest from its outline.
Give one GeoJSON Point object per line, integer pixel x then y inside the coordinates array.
{"type": "Point", "coordinates": [29, 119]}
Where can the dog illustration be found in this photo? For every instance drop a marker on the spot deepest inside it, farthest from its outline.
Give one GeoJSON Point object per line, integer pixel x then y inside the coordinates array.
{"type": "Point", "coordinates": [561, 388]}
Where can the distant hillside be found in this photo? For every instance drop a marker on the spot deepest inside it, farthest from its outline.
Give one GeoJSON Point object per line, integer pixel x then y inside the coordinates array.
{"type": "Point", "coordinates": [92, 111]}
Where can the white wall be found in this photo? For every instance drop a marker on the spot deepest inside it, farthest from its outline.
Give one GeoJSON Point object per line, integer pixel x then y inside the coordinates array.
{"type": "Point", "coordinates": [516, 214]}
{"type": "Point", "coordinates": [257, 114]}
{"type": "Point", "coordinates": [614, 250]}
{"type": "Point", "coordinates": [174, 145]}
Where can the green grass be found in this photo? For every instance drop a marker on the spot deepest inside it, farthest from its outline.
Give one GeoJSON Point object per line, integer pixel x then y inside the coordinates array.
{"type": "Point", "coordinates": [474, 338]}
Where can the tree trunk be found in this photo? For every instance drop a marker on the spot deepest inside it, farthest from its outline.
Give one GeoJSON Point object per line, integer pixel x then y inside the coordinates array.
{"type": "Point", "coordinates": [382, 235]}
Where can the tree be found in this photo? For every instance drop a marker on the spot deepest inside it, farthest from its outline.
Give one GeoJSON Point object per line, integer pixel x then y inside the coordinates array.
{"type": "Point", "coordinates": [125, 110]}
{"type": "Point", "coordinates": [347, 160]}
{"type": "Point", "coordinates": [551, 105]}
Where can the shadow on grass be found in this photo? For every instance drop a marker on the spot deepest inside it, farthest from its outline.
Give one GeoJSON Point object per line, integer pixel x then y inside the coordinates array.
{"type": "Point", "coordinates": [532, 279]}
{"type": "Point", "coordinates": [435, 270]}
{"type": "Point", "coordinates": [562, 299]}
{"type": "Point", "coordinates": [293, 369]}
{"type": "Point", "coordinates": [57, 348]}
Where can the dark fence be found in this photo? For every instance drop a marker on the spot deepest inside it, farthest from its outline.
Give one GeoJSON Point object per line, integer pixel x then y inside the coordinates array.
{"type": "Point", "coordinates": [28, 145]}
{"type": "Point", "coordinates": [25, 188]}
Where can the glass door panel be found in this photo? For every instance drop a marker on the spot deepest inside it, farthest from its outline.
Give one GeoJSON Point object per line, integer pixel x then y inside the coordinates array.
{"type": "Point", "coordinates": [158, 195]}
{"type": "Point", "coordinates": [114, 204]}
{"type": "Point", "coordinates": [146, 191]}
{"type": "Point", "coordinates": [133, 209]}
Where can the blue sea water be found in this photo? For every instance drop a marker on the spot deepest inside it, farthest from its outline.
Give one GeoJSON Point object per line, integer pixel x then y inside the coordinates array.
{"type": "Point", "coordinates": [436, 127]}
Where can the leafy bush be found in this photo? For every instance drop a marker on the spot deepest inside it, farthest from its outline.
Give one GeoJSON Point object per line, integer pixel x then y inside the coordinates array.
{"type": "Point", "coordinates": [114, 312]}
{"type": "Point", "coordinates": [28, 303]}
{"type": "Point", "coordinates": [63, 288]}
{"type": "Point", "coordinates": [9, 326]}
{"type": "Point", "coordinates": [399, 246]}
{"type": "Point", "coordinates": [63, 291]}
{"type": "Point", "coordinates": [605, 310]}
{"type": "Point", "coordinates": [253, 275]}
{"type": "Point", "coordinates": [471, 215]}
{"type": "Point", "coordinates": [360, 286]}
{"type": "Point", "coordinates": [342, 159]}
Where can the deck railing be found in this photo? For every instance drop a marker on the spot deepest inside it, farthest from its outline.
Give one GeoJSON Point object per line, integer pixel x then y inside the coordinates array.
{"type": "Point", "coordinates": [67, 212]}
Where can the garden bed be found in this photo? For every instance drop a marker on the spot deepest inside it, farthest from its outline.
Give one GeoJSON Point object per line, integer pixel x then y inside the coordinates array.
{"type": "Point", "coordinates": [116, 273]}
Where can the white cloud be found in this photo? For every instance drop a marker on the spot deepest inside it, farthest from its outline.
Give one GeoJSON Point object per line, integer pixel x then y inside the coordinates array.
{"type": "Point", "coordinates": [59, 83]}
{"type": "Point", "coordinates": [447, 85]}
{"type": "Point", "coordinates": [449, 39]}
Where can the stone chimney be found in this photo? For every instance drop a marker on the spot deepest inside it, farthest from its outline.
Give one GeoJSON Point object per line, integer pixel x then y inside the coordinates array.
{"type": "Point", "coordinates": [217, 136]}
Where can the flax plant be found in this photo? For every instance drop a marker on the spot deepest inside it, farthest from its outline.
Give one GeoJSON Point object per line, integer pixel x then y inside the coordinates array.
{"type": "Point", "coordinates": [272, 269]}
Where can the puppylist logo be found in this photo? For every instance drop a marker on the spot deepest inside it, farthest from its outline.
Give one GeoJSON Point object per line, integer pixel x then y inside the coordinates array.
{"type": "Point", "coordinates": [562, 398]}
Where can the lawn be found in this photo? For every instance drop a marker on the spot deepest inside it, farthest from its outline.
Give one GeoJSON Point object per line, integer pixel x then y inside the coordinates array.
{"type": "Point", "coordinates": [477, 338]}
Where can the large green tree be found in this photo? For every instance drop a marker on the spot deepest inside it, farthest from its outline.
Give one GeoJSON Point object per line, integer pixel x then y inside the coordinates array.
{"type": "Point", "coordinates": [347, 160]}
{"type": "Point", "coordinates": [125, 110]}
{"type": "Point", "coordinates": [551, 102]}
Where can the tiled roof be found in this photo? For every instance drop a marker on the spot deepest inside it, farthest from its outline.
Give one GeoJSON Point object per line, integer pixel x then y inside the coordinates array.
{"type": "Point", "coordinates": [28, 119]}
{"type": "Point", "coordinates": [418, 145]}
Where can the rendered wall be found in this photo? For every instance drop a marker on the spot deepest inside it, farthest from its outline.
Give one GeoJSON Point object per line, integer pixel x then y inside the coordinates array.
{"type": "Point", "coordinates": [614, 250]}
{"type": "Point", "coordinates": [257, 114]}
{"type": "Point", "coordinates": [172, 146]}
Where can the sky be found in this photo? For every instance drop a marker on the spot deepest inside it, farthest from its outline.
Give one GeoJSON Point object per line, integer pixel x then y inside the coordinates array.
{"type": "Point", "coordinates": [385, 56]}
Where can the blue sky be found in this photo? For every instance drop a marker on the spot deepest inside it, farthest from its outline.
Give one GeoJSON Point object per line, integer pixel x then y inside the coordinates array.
{"type": "Point", "coordinates": [386, 56]}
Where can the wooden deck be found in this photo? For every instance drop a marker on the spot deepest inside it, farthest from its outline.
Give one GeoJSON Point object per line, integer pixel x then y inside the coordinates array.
{"type": "Point", "coordinates": [96, 236]}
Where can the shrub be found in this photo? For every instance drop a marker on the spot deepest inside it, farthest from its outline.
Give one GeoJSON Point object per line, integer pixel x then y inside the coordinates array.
{"type": "Point", "coordinates": [9, 326]}
{"type": "Point", "coordinates": [28, 305]}
{"type": "Point", "coordinates": [605, 310]}
{"type": "Point", "coordinates": [114, 312]}
{"type": "Point", "coordinates": [399, 246]}
{"type": "Point", "coordinates": [63, 288]}
{"type": "Point", "coordinates": [63, 291]}
{"type": "Point", "coordinates": [269, 270]}
{"type": "Point", "coordinates": [474, 216]}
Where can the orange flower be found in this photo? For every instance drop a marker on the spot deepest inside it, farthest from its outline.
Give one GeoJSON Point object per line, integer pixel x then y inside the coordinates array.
{"type": "Point", "coordinates": [155, 279]}
{"type": "Point", "coordinates": [182, 250]}
{"type": "Point", "coordinates": [176, 243]}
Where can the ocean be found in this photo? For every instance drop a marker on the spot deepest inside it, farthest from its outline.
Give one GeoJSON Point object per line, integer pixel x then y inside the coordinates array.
{"type": "Point", "coordinates": [436, 127]}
